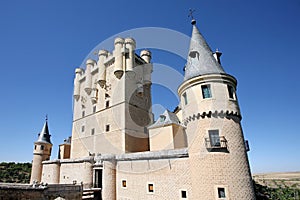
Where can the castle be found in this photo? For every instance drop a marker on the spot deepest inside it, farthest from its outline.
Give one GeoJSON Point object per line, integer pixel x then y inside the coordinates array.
{"type": "Point", "coordinates": [197, 151]}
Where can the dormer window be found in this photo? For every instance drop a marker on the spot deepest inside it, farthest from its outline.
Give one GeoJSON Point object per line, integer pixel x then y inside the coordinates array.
{"type": "Point", "coordinates": [206, 91]}
{"type": "Point", "coordinates": [162, 118]}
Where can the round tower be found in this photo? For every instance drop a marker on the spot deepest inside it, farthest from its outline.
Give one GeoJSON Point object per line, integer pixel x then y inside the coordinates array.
{"type": "Point", "coordinates": [218, 157]}
{"type": "Point", "coordinates": [41, 152]}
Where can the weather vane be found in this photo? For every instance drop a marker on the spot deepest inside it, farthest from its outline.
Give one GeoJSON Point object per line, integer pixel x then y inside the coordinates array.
{"type": "Point", "coordinates": [191, 13]}
{"type": "Point", "coordinates": [46, 117]}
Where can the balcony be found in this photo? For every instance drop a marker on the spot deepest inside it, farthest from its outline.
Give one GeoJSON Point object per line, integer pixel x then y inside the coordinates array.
{"type": "Point", "coordinates": [216, 144]}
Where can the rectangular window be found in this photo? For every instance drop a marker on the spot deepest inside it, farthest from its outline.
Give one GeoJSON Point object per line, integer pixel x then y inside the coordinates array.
{"type": "Point", "coordinates": [150, 187]}
{"type": "Point", "coordinates": [214, 138]}
{"type": "Point", "coordinates": [183, 194]}
{"type": "Point", "coordinates": [94, 109]}
{"type": "Point", "coordinates": [221, 193]}
{"type": "Point", "coordinates": [42, 147]}
{"type": "Point", "coordinates": [92, 131]}
{"type": "Point", "coordinates": [185, 99]}
{"type": "Point", "coordinates": [124, 184]}
{"type": "Point", "coordinates": [206, 92]}
{"type": "Point", "coordinates": [107, 127]}
{"type": "Point", "coordinates": [83, 113]}
{"type": "Point", "coordinates": [230, 91]}
{"type": "Point", "coordinates": [82, 129]}
{"type": "Point", "coordinates": [107, 104]}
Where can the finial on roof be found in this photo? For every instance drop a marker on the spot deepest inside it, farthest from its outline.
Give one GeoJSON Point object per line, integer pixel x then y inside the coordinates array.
{"type": "Point", "coordinates": [46, 117]}
{"type": "Point", "coordinates": [193, 22]}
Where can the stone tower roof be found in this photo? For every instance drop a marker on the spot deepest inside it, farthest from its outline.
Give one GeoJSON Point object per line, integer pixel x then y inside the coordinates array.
{"type": "Point", "coordinates": [200, 59]}
{"type": "Point", "coordinates": [44, 135]}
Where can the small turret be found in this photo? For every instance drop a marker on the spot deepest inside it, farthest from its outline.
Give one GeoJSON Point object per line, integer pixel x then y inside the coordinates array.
{"type": "Point", "coordinates": [118, 69]}
{"type": "Point", "coordinates": [41, 152]}
{"type": "Point", "coordinates": [146, 55]}
{"type": "Point", "coordinates": [102, 55]}
{"type": "Point", "coordinates": [88, 76]}
{"type": "Point", "coordinates": [129, 54]}
{"type": "Point", "coordinates": [78, 72]}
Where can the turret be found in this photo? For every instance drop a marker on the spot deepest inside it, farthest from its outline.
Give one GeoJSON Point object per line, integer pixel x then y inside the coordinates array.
{"type": "Point", "coordinates": [88, 76]}
{"type": "Point", "coordinates": [41, 152]}
{"type": "Point", "coordinates": [102, 55]}
{"type": "Point", "coordinates": [129, 55]}
{"type": "Point", "coordinates": [146, 55]}
{"type": "Point", "coordinates": [78, 72]}
{"type": "Point", "coordinates": [118, 69]}
{"type": "Point", "coordinates": [212, 118]}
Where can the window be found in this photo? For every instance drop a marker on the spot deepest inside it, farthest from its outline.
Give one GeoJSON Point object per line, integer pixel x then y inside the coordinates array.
{"type": "Point", "coordinates": [206, 92]}
{"type": "Point", "coordinates": [42, 147]}
{"type": "Point", "coordinates": [150, 187]}
{"type": "Point", "coordinates": [162, 118]}
{"type": "Point", "coordinates": [34, 147]}
{"type": "Point", "coordinates": [107, 127]}
{"type": "Point", "coordinates": [230, 92]}
{"type": "Point", "coordinates": [107, 104]}
{"type": "Point", "coordinates": [82, 129]}
{"type": "Point", "coordinates": [185, 99]}
{"type": "Point", "coordinates": [183, 194]}
{"type": "Point", "coordinates": [92, 131]}
{"type": "Point", "coordinates": [221, 193]}
{"type": "Point", "coordinates": [124, 184]}
{"type": "Point", "coordinates": [214, 138]}
{"type": "Point", "coordinates": [83, 113]}
{"type": "Point", "coordinates": [94, 109]}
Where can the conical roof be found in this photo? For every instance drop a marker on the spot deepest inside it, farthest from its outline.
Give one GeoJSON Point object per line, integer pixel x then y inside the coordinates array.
{"type": "Point", "coordinates": [44, 135]}
{"type": "Point", "coordinates": [200, 59]}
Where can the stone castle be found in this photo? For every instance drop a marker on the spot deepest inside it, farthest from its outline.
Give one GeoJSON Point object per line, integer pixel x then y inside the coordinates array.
{"type": "Point", "coordinates": [197, 151]}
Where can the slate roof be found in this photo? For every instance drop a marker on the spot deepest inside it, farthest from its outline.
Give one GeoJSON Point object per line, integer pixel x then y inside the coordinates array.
{"type": "Point", "coordinates": [44, 135]}
{"type": "Point", "coordinates": [200, 60]}
{"type": "Point", "coordinates": [165, 119]}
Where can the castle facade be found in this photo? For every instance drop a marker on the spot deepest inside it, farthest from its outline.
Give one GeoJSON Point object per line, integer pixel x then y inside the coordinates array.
{"type": "Point", "coordinates": [197, 151]}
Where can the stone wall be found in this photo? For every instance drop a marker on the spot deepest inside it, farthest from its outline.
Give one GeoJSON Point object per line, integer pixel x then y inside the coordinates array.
{"type": "Point", "coordinates": [49, 192]}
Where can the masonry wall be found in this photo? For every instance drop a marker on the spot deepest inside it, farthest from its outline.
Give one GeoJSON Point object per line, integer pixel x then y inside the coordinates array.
{"type": "Point", "coordinates": [168, 176]}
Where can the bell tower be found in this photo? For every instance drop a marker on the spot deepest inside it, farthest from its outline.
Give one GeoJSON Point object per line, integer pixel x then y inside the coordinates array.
{"type": "Point", "coordinates": [210, 111]}
{"type": "Point", "coordinates": [41, 152]}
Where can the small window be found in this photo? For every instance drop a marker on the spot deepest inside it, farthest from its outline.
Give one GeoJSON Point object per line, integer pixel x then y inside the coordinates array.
{"type": "Point", "coordinates": [150, 188]}
{"type": "Point", "coordinates": [107, 128]}
{"type": "Point", "coordinates": [230, 92]}
{"type": "Point", "coordinates": [221, 193]}
{"type": "Point", "coordinates": [124, 184]}
{"type": "Point", "coordinates": [183, 194]}
{"type": "Point", "coordinates": [185, 99]}
{"type": "Point", "coordinates": [107, 104]}
{"type": "Point", "coordinates": [34, 147]}
{"type": "Point", "coordinates": [83, 113]}
{"type": "Point", "coordinates": [82, 129]}
{"type": "Point", "coordinates": [206, 92]}
{"type": "Point", "coordinates": [94, 109]}
{"type": "Point", "coordinates": [42, 147]}
{"type": "Point", "coordinates": [214, 138]}
{"type": "Point", "coordinates": [92, 131]}
{"type": "Point", "coordinates": [162, 118]}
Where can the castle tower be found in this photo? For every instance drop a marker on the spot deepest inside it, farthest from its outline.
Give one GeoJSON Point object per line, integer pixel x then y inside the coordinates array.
{"type": "Point", "coordinates": [41, 152]}
{"type": "Point", "coordinates": [112, 102]}
{"type": "Point", "coordinates": [210, 111]}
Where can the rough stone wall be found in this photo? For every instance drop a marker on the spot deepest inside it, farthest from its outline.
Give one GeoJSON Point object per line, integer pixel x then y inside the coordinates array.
{"type": "Point", "coordinates": [168, 176]}
{"type": "Point", "coordinates": [50, 192]}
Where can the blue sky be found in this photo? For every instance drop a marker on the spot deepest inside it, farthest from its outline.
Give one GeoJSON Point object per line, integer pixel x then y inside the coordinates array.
{"type": "Point", "coordinates": [42, 42]}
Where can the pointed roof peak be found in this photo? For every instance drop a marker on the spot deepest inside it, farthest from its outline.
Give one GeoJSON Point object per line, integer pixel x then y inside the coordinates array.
{"type": "Point", "coordinates": [44, 135]}
{"type": "Point", "coordinates": [200, 58]}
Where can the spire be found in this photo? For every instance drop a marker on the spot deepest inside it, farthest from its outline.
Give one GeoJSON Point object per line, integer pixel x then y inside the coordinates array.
{"type": "Point", "coordinates": [200, 59]}
{"type": "Point", "coordinates": [44, 135]}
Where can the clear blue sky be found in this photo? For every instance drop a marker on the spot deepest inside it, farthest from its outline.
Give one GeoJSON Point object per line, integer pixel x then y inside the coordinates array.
{"type": "Point", "coordinates": [42, 42]}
